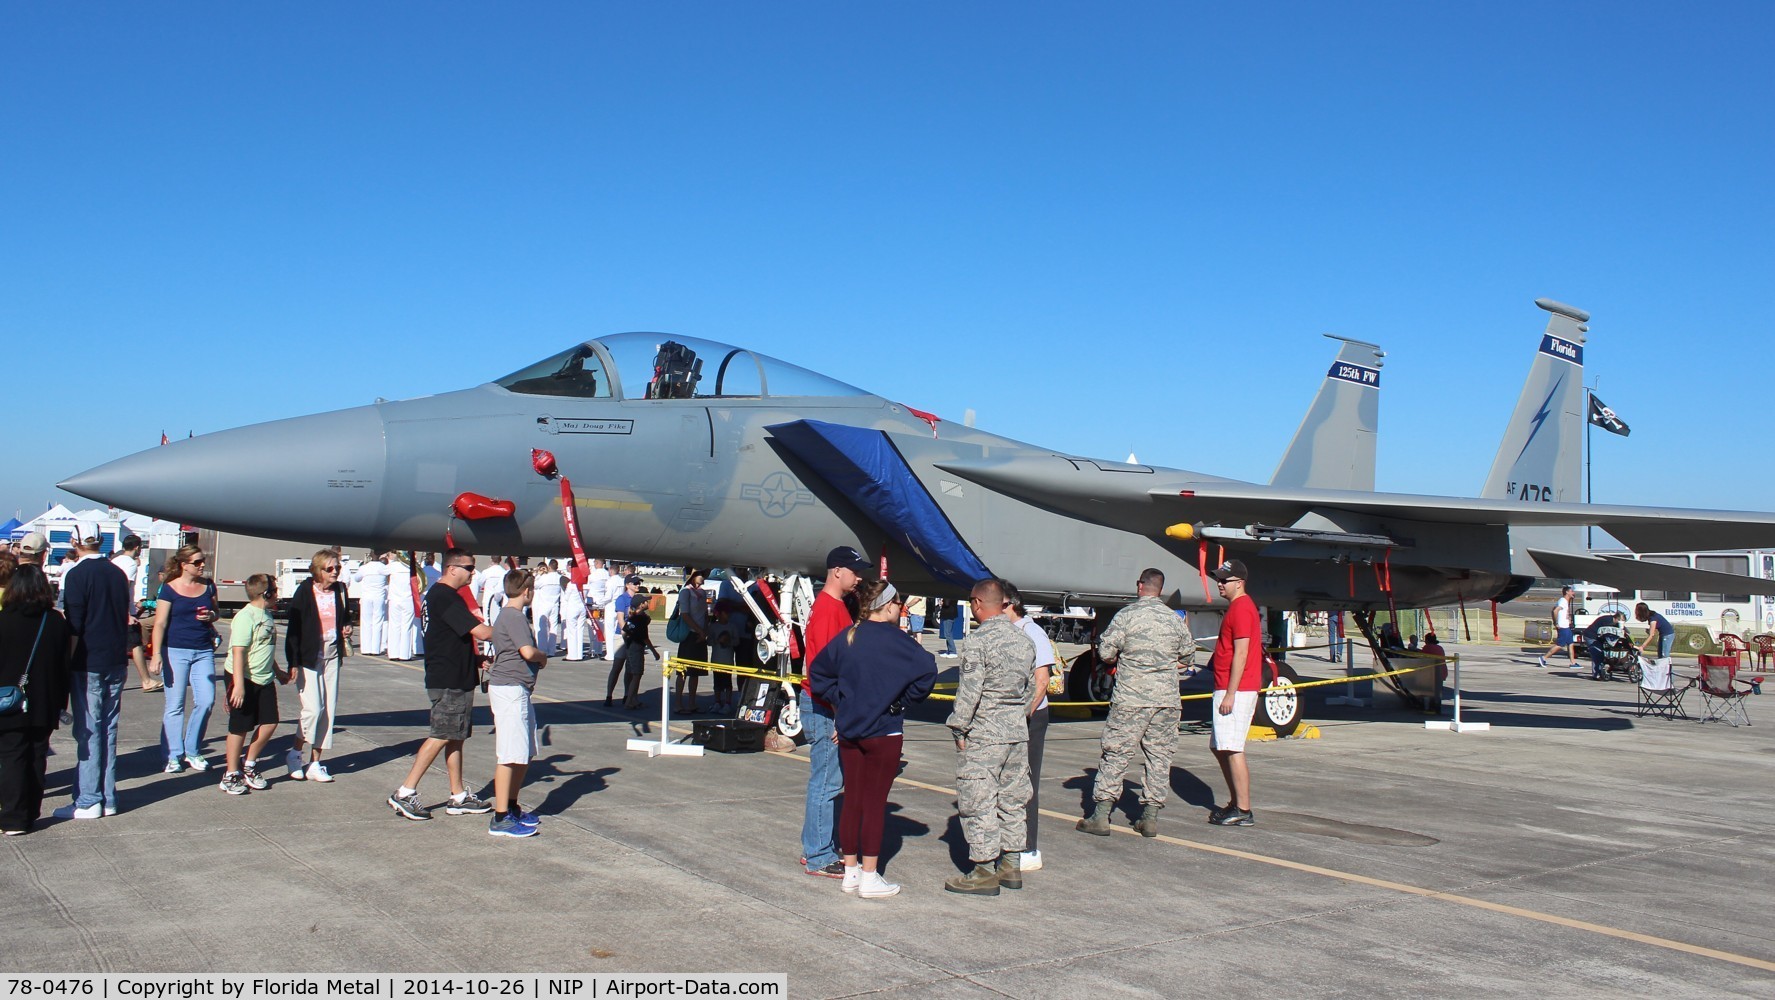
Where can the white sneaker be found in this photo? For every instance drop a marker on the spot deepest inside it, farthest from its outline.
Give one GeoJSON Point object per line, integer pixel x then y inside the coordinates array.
{"type": "Point", "coordinates": [110, 810]}
{"type": "Point", "coordinates": [69, 811]}
{"type": "Point", "coordinates": [1032, 861]}
{"type": "Point", "coordinates": [852, 878]}
{"type": "Point", "coordinates": [875, 887]}
{"type": "Point", "coordinates": [293, 761]}
{"type": "Point", "coordinates": [196, 762]}
{"type": "Point", "coordinates": [317, 772]}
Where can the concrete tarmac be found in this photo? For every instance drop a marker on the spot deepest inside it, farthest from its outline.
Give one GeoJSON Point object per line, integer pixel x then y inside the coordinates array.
{"type": "Point", "coordinates": [1575, 850]}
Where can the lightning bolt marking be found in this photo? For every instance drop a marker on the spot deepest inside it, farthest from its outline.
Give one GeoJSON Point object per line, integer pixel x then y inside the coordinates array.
{"type": "Point", "coordinates": [1541, 416]}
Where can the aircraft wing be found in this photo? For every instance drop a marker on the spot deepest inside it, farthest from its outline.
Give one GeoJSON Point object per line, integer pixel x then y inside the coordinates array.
{"type": "Point", "coordinates": [1151, 500]}
{"type": "Point", "coordinates": [1631, 574]}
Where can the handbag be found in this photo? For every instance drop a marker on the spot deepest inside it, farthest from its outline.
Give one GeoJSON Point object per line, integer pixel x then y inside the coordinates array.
{"type": "Point", "coordinates": [13, 697]}
{"type": "Point", "coordinates": [677, 629]}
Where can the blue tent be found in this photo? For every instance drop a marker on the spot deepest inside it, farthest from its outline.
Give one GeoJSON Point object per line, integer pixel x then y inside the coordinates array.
{"type": "Point", "coordinates": [11, 525]}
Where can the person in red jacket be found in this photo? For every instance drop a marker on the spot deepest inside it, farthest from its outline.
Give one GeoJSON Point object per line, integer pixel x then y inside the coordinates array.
{"type": "Point", "coordinates": [845, 568]}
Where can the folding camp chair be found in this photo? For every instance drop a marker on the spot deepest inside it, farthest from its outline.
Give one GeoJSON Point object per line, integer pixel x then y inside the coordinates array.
{"type": "Point", "coordinates": [1723, 691]}
{"type": "Point", "coordinates": [1659, 692]}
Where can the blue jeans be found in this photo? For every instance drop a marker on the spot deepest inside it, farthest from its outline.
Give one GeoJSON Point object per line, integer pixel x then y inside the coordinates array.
{"type": "Point", "coordinates": [96, 701]}
{"type": "Point", "coordinates": [915, 624]}
{"type": "Point", "coordinates": [825, 780]}
{"type": "Point", "coordinates": [194, 669]}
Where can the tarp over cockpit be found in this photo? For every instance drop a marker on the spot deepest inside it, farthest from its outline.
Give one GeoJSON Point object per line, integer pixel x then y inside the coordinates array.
{"type": "Point", "coordinates": [667, 366]}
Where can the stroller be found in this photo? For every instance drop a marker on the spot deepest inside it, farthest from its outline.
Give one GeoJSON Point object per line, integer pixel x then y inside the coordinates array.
{"type": "Point", "coordinates": [1613, 656]}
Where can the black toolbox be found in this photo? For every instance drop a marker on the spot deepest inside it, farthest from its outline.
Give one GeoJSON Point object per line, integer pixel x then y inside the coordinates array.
{"type": "Point", "coordinates": [728, 735]}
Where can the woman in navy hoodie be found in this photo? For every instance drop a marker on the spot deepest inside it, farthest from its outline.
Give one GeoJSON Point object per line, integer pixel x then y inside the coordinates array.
{"type": "Point", "coordinates": [868, 673]}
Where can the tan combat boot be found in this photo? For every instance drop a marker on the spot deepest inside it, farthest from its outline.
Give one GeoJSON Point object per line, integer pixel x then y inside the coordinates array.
{"type": "Point", "coordinates": [1010, 870]}
{"type": "Point", "coordinates": [1148, 823]}
{"type": "Point", "coordinates": [1096, 824]}
{"type": "Point", "coordinates": [982, 881]}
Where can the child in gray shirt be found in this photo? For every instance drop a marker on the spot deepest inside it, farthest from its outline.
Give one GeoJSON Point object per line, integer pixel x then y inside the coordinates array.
{"type": "Point", "coordinates": [510, 681]}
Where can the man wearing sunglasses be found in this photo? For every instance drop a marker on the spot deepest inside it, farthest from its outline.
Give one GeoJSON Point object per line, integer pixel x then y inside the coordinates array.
{"type": "Point", "coordinates": [451, 675]}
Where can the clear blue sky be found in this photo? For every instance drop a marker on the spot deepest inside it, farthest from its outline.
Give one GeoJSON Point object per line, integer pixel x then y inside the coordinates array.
{"type": "Point", "coordinates": [1104, 227]}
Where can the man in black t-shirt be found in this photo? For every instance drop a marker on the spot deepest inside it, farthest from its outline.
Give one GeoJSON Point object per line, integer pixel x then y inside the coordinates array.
{"type": "Point", "coordinates": [451, 674]}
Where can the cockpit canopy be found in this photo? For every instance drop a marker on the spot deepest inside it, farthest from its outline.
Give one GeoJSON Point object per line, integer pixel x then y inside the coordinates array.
{"type": "Point", "coordinates": [663, 366]}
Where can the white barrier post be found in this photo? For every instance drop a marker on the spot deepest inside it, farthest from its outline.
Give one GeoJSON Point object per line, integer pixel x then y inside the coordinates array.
{"type": "Point", "coordinates": [664, 746]}
{"type": "Point", "coordinates": [1361, 693]}
{"type": "Point", "coordinates": [1456, 725]}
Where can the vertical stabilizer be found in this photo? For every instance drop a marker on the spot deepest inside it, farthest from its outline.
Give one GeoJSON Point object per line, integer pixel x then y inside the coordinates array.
{"type": "Point", "coordinates": [1334, 448]}
{"type": "Point", "coordinates": [1540, 457]}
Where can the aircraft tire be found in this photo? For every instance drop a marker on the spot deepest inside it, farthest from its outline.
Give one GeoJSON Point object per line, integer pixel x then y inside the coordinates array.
{"type": "Point", "coordinates": [1087, 680]}
{"type": "Point", "coordinates": [1280, 710]}
{"type": "Point", "coordinates": [789, 720]}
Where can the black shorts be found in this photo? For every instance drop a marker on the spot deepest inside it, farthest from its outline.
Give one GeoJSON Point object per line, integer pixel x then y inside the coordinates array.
{"type": "Point", "coordinates": [449, 713]}
{"type": "Point", "coordinates": [135, 640]}
{"type": "Point", "coordinates": [258, 708]}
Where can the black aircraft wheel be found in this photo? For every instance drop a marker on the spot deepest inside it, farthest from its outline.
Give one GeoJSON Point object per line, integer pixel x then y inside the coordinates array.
{"type": "Point", "coordinates": [1280, 710]}
{"type": "Point", "coordinates": [1100, 683]}
{"type": "Point", "coordinates": [1087, 679]}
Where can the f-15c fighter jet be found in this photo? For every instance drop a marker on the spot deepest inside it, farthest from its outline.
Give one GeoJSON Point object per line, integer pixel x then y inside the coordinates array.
{"type": "Point", "coordinates": [681, 450]}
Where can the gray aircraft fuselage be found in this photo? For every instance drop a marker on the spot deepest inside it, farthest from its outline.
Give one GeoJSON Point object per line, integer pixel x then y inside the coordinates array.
{"type": "Point", "coordinates": [704, 481]}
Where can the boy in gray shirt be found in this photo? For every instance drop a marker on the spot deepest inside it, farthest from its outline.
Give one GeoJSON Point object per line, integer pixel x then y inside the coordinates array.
{"type": "Point", "coordinates": [510, 681]}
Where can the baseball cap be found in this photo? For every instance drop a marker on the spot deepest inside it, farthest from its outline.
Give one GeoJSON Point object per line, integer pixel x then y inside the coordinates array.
{"type": "Point", "coordinates": [849, 558]}
{"type": "Point", "coordinates": [1232, 569]}
{"type": "Point", "coordinates": [34, 544]}
{"type": "Point", "coordinates": [634, 578]}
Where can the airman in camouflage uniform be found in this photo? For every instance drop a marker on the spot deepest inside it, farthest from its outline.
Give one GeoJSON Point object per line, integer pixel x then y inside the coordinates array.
{"type": "Point", "coordinates": [992, 739]}
{"type": "Point", "coordinates": [1147, 642]}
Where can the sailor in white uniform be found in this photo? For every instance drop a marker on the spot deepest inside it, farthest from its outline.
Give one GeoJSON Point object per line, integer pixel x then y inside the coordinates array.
{"type": "Point", "coordinates": [546, 607]}
{"type": "Point", "coordinates": [403, 627]}
{"type": "Point", "coordinates": [372, 603]}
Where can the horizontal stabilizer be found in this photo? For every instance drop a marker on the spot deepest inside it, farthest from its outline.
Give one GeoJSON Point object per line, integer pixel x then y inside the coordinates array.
{"type": "Point", "coordinates": [1151, 503]}
{"type": "Point", "coordinates": [1631, 574]}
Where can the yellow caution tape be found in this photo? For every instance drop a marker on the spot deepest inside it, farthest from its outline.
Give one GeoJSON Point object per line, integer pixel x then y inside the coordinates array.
{"type": "Point", "coordinates": [672, 664]}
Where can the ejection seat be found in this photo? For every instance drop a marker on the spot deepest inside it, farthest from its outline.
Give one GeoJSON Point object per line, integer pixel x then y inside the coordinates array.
{"type": "Point", "coordinates": [1659, 691]}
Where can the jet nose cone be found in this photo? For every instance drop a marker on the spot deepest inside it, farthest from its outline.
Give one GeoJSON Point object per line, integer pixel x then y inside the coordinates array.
{"type": "Point", "coordinates": [313, 478]}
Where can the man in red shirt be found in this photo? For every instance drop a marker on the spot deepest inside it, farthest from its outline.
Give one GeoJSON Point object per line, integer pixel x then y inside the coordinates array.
{"type": "Point", "coordinates": [845, 568]}
{"type": "Point", "coordinates": [1238, 674]}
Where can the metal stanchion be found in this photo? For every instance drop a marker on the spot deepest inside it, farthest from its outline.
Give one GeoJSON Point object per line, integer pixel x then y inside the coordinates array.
{"type": "Point", "coordinates": [1361, 693]}
{"type": "Point", "coordinates": [663, 746]}
{"type": "Point", "coordinates": [1456, 725]}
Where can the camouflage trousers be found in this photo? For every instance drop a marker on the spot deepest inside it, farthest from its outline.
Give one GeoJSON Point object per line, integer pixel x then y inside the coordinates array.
{"type": "Point", "coordinates": [992, 793]}
{"type": "Point", "coordinates": [1147, 730]}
